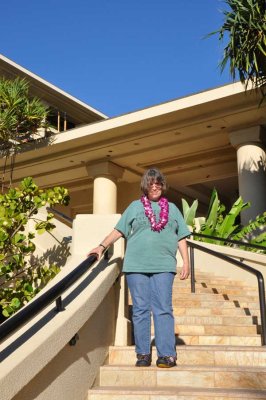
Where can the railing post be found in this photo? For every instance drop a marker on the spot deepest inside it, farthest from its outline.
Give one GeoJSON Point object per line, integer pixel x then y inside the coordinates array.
{"type": "Point", "coordinates": [262, 310]}
{"type": "Point", "coordinates": [59, 304]}
{"type": "Point", "coordinates": [192, 272]}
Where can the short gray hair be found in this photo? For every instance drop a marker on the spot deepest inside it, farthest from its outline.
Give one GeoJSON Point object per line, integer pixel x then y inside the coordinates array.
{"type": "Point", "coordinates": [152, 175]}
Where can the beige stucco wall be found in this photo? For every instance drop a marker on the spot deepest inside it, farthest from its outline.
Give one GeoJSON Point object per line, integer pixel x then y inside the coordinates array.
{"type": "Point", "coordinates": [51, 247]}
{"type": "Point", "coordinates": [37, 362]}
{"type": "Point", "coordinates": [80, 202]}
{"type": "Point", "coordinates": [74, 369]}
{"type": "Point", "coordinates": [215, 266]}
{"type": "Point", "coordinates": [39, 351]}
{"type": "Point", "coordinates": [126, 193]}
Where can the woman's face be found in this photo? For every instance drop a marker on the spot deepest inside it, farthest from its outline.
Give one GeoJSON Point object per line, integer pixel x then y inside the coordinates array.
{"type": "Point", "coordinates": [154, 191]}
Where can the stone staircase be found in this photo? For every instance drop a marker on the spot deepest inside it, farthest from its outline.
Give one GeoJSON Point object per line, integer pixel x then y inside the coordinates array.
{"type": "Point", "coordinates": [219, 353]}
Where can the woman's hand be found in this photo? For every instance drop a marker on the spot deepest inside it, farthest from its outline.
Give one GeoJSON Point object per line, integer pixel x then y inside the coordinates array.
{"type": "Point", "coordinates": [110, 239]}
{"type": "Point", "coordinates": [185, 272]}
{"type": "Point", "coordinates": [98, 251]}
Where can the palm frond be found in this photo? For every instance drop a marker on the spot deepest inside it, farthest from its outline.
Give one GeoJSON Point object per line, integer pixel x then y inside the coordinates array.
{"type": "Point", "coordinates": [245, 25]}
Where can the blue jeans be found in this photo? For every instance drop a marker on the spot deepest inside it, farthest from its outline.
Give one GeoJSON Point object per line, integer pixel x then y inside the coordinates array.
{"type": "Point", "coordinates": [153, 293]}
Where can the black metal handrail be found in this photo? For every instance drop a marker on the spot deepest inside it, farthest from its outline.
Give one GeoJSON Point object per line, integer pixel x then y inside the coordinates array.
{"type": "Point", "coordinates": [52, 294]}
{"type": "Point", "coordinates": [60, 215]}
{"type": "Point", "coordinates": [238, 242]}
{"type": "Point", "coordinates": [241, 265]}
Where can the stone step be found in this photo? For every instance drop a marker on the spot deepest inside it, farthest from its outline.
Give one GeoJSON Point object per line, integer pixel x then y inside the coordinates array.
{"type": "Point", "coordinates": [214, 282]}
{"type": "Point", "coordinates": [221, 285]}
{"type": "Point", "coordinates": [221, 282]}
{"type": "Point", "coordinates": [208, 311]}
{"type": "Point", "coordinates": [234, 377]}
{"type": "Point", "coordinates": [170, 393]}
{"type": "Point", "coordinates": [219, 329]}
{"type": "Point", "coordinates": [216, 320]}
{"type": "Point", "coordinates": [213, 296]}
{"type": "Point", "coordinates": [198, 355]}
{"type": "Point", "coordinates": [218, 339]}
{"type": "Point", "coordinates": [216, 290]}
{"type": "Point", "coordinates": [215, 302]}
{"type": "Point", "coordinates": [212, 279]}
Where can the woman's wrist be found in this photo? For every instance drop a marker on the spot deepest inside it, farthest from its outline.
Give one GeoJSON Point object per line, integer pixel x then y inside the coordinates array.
{"type": "Point", "coordinates": [103, 246]}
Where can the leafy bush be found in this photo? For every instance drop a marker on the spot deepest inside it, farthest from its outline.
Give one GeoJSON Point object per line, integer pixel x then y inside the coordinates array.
{"type": "Point", "coordinates": [20, 116]}
{"type": "Point", "coordinates": [223, 224]}
{"type": "Point", "coordinates": [19, 280]}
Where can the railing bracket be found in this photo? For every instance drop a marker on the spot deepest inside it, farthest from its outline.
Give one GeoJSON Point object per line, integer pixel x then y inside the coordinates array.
{"type": "Point", "coordinates": [73, 341]}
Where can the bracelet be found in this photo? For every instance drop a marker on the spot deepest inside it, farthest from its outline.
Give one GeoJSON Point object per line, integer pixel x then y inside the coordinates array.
{"type": "Point", "coordinates": [102, 246]}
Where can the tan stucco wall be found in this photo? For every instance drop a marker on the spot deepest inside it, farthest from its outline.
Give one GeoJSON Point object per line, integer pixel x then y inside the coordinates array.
{"type": "Point", "coordinates": [38, 357]}
{"type": "Point", "coordinates": [80, 203]}
{"type": "Point", "coordinates": [74, 369]}
{"type": "Point", "coordinates": [127, 192]}
{"type": "Point", "coordinates": [215, 266]}
{"type": "Point", "coordinates": [44, 342]}
{"type": "Point", "coordinates": [51, 247]}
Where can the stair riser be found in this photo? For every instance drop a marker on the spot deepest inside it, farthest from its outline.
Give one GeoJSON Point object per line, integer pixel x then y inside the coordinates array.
{"type": "Point", "coordinates": [222, 282]}
{"type": "Point", "coordinates": [197, 357]}
{"type": "Point", "coordinates": [205, 312]}
{"type": "Point", "coordinates": [214, 290]}
{"type": "Point", "coordinates": [201, 280]}
{"type": "Point", "coordinates": [214, 320]}
{"type": "Point", "coordinates": [136, 396]}
{"type": "Point", "coordinates": [210, 340]}
{"type": "Point", "coordinates": [214, 296]}
{"type": "Point", "coordinates": [206, 378]}
{"type": "Point", "coordinates": [194, 302]}
{"type": "Point", "coordinates": [214, 330]}
{"type": "Point", "coordinates": [211, 284]}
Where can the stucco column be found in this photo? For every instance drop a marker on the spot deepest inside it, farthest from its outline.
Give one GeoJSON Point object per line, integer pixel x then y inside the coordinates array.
{"type": "Point", "coordinates": [251, 162]}
{"type": "Point", "coordinates": [105, 176]}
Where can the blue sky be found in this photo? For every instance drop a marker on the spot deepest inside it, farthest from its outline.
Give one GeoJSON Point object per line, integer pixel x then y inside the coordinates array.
{"type": "Point", "coordinates": [117, 55]}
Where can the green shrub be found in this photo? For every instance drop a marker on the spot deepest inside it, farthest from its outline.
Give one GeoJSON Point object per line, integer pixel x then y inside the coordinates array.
{"type": "Point", "coordinates": [19, 280]}
{"type": "Point", "coordinates": [221, 223]}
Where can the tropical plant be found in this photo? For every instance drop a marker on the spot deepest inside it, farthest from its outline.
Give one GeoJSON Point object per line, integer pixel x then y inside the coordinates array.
{"type": "Point", "coordinates": [20, 118]}
{"type": "Point", "coordinates": [247, 232]}
{"type": "Point", "coordinates": [224, 224]}
{"type": "Point", "coordinates": [189, 212]}
{"type": "Point", "coordinates": [19, 279]}
{"type": "Point", "coordinates": [245, 27]}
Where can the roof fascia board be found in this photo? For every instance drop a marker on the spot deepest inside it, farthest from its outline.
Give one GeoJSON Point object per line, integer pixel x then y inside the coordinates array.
{"type": "Point", "coordinates": [51, 86]}
{"type": "Point", "coordinates": [183, 103]}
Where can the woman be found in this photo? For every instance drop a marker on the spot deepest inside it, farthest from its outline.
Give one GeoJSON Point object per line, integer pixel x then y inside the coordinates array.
{"type": "Point", "coordinates": [154, 229]}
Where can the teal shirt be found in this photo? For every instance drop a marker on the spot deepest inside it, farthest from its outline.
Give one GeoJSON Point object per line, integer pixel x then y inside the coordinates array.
{"type": "Point", "coordinates": [148, 251]}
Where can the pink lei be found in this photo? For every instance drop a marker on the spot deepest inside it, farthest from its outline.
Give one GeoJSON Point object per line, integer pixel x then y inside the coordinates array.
{"type": "Point", "coordinates": [163, 219]}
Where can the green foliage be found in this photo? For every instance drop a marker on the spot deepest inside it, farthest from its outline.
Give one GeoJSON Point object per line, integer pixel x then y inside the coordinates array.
{"type": "Point", "coordinates": [223, 224]}
{"type": "Point", "coordinates": [19, 280]}
{"type": "Point", "coordinates": [246, 232]}
{"type": "Point", "coordinates": [245, 27]}
{"type": "Point", "coordinates": [189, 212]}
{"type": "Point", "coordinates": [20, 116]}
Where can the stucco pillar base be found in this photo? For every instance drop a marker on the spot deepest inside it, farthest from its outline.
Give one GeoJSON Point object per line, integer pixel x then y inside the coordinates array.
{"type": "Point", "coordinates": [105, 174]}
{"type": "Point", "coordinates": [123, 325]}
{"type": "Point", "coordinates": [123, 332]}
{"type": "Point", "coordinates": [251, 161]}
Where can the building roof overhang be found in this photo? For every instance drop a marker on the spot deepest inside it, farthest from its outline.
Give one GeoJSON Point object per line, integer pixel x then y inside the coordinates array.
{"type": "Point", "coordinates": [187, 138]}
{"type": "Point", "coordinates": [79, 111]}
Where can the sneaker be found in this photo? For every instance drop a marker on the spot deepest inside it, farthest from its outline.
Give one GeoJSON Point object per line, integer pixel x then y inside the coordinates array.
{"type": "Point", "coordinates": [166, 362]}
{"type": "Point", "coordinates": [143, 360]}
